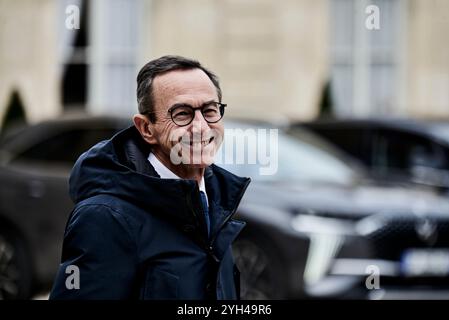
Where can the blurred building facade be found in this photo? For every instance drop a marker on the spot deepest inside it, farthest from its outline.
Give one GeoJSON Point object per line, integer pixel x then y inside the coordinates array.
{"type": "Point", "coordinates": [277, 60]}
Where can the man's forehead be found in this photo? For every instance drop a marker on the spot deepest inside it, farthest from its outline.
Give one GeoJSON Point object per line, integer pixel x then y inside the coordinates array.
{"type": "Point", "coordinates": [183, 83]}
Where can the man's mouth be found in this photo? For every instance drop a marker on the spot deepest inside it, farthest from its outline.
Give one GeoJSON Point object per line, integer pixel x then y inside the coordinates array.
{"type": "Point", "coordinates": [203, 142]}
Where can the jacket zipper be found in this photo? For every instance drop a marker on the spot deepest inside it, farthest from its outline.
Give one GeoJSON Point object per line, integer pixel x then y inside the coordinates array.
{"type": "Point", "coordinates": [209, 245]}
{"type": "Point", "coordinates": [212, 240]}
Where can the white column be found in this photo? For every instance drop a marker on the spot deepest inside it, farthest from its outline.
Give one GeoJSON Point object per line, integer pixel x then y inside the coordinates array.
{"type": "Point", "coordinates": [113, 56]}
{"type": "Point", "coordinates": [361, 76]}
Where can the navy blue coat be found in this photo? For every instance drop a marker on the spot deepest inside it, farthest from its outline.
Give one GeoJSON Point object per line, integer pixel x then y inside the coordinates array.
{"type": "Point", "coordinates": [135, 236]}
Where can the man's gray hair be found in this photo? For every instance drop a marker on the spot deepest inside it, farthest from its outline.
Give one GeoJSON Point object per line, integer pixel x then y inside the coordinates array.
{"type": "Point", "coordinates": [145, 78]}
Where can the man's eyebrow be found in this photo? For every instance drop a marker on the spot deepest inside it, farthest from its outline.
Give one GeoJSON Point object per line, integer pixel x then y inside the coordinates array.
{"type": "Point", "coordinates": [179, 105]}
{"type": "Point", "coordinates": [182, 104]}
{"type": "Point", "coordinates": [206, 103]}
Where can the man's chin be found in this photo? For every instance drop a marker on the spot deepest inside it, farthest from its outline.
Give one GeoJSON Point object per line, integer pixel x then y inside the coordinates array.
{"type": "Point", "coordinates": [198, 166]}
{"type": "Point", "coordinates": [198, 158]}
{"type": "Point", "coordinates": [201, 164]}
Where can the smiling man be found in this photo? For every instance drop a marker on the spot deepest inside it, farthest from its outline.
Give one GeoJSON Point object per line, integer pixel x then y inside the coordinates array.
{"type": "Point", "coordinates": [153, 215]}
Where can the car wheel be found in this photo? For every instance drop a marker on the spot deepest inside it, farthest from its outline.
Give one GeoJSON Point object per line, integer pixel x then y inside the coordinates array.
{"type": "Point", "coordinates": [15, 273]}
{"type": "Point", "coordinates": [261, 275]}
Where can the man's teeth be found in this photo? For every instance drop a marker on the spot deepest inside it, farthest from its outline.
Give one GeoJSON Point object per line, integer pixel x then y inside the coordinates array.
{"type": "Point", "coordinates": [203, 143]}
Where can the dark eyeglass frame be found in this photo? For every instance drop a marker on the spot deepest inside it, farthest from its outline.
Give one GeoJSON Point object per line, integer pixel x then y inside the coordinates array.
{"type": "Point", "coordinates": [221, 108]}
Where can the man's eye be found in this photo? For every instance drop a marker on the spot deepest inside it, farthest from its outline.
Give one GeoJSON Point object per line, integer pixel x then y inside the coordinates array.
{"type": "Point", "coordinates": [210, 110]}
{"type": "Point", "coordinates": [181, 113]}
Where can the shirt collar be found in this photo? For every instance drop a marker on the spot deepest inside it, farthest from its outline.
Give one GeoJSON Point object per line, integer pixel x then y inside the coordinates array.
{"type": "Point", "coordinates": [166, 173]}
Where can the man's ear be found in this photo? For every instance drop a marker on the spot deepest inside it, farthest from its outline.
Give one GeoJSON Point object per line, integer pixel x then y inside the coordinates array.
{"type": "Point", "coordinates": [145, 128]}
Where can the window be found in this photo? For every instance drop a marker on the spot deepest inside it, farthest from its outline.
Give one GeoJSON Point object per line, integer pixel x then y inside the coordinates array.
{"type": "Point", "coordinates": [74, 60]}
{"type": "Point", "coordinates": [299, 158]}
{"type": "Point", "coordinates": [99, 60]}
{"type": "Point", "coordinates": [66, 147]}
{"type": "Point", "coordinates": [407, 152]}
{"type": "Point", "coordinates": [365, 63]}
{"type": "Point", "coordinates": [354, 141]}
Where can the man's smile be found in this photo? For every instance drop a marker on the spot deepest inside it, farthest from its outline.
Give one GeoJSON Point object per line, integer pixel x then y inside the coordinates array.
{"type": "Point", "coordinates": [188, 142]}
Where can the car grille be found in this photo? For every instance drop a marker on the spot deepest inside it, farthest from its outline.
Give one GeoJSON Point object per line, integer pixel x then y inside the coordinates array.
{"type": "Point", "coordinates": [400, 233]}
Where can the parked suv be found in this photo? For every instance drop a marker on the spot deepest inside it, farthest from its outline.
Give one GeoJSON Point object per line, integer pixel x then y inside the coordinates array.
{"type": "Point", "coordinates": [399, 150]}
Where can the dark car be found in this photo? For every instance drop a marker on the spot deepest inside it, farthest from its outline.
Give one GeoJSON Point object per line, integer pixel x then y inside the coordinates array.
{"type": "Point", "coordinates": [399, 150]}
{"type": "Point", "coordinates": [314, 226]}
{"type": "Point", "coordinates": [35, 163]}
{"type": "Point", "coordinates": [320, 228]}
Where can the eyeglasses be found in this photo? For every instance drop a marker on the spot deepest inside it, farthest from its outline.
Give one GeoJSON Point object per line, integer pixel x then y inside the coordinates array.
{"type": "Point", "coordinates": [182, 114]}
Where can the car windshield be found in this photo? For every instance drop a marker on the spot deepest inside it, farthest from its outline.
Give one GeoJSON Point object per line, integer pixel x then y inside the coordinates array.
{"type": "Point", "coordinates": [441, 131]}
{"type": "Point", "coordinates": [303, 158]}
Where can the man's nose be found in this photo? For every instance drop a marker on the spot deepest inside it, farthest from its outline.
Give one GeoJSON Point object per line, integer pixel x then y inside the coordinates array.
{"type": "Point", "coordinates": [198, 121]}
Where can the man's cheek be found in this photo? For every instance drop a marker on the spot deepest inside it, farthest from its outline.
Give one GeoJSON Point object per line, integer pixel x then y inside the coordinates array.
{"type": "Point", "coordinates": [209, 152]}
{"type": "Point", "coordinates": [218, 134]}
{"type": "Point", "coordinates": [176, 154]}
{"type": "Point", "coordinates": [176, 136]}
